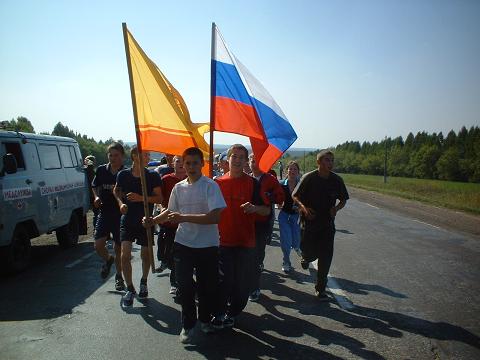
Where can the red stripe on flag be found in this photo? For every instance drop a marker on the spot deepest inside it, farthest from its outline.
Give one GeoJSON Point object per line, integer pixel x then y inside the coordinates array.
{"type": "Point", "coordinates": [154, 140]}
{"type": "Point", "coordinates": [238, 118]}
{"type": "Point", "coordinates": [266, 155]}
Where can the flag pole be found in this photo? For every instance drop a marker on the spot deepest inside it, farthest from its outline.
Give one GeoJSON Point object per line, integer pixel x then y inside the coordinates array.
{"type": "Point", "coordinates": [212, 96]}
{"type": "Point", "coordinates": [139, 147]}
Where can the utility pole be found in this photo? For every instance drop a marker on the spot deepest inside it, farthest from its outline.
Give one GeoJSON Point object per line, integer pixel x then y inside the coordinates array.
{"type": "Point", "coordinates": [385, 163]}
{"type": "Point", "coordinates": [304, 166]}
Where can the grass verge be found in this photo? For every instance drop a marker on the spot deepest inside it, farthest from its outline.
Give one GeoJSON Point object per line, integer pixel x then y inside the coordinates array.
{"type": "Point", "coordinates": [449, 194]}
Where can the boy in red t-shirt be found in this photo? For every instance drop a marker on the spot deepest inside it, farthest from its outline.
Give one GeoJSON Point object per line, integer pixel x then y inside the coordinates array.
{"type": "Point", "coordinates": [166, 236]}
{"type": "Point", "coordinates": [237, 236]}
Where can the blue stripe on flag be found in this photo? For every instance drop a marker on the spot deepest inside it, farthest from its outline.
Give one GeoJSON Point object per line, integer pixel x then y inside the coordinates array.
{"type": "Point", "coordinates": [229, 84]}
{"type": "Point", "coordinates": [279, 132]}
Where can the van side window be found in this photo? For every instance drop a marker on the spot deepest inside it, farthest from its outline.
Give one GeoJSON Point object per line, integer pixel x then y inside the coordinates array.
{"type": "Point", "coordinates": [49, 156]}
{"type": "Point", "coordinates": [73, 155]}
{"type": "Point", "coordinates": [16, 150]}
{"type": "Point", "coordinates": [66, 156]}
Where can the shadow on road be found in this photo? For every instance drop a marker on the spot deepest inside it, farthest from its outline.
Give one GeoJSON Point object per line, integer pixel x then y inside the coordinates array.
{"type": "Point", "coordinates": [47, 289]}
{"type": "Point", "coordinates": [159, 316]}
{"type": "Point", "coordinates": [364, 289]}
{"type": "Point", "coordinates": [289, 328]}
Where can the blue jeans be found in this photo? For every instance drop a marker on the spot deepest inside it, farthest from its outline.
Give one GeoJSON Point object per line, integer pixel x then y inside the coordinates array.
{"type": "Point", "coordinates": [289, 234]}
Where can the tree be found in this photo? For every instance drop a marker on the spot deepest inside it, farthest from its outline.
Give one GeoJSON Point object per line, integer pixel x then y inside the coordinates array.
{"type": "Point", "coordinates": [22, 124]}
{"type": "Point", "coordinates": [448, 165]}
{"type": "Point", "coordinates": [423, 162]}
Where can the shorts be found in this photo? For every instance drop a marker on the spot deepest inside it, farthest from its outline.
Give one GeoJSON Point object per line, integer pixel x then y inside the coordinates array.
{"type": "Point", "coordinates": [135, 233]}
{"type": "Point", "coordinates": [106, 224]}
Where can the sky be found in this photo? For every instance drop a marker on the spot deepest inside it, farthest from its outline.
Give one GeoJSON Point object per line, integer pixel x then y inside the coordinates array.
{"type": "Point", "coordinates": [340, 70]}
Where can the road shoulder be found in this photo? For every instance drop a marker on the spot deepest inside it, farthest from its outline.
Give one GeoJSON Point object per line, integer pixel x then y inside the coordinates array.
{"type": "Point", "coordinates": [448, 219]}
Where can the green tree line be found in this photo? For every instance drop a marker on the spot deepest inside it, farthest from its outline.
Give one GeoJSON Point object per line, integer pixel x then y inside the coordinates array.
{"type": "Point", "coordinates": [455, 157]}
{"type": "Point", "coordinates": [88, 146]}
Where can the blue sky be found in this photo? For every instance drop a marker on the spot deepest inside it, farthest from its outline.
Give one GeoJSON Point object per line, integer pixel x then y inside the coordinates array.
{"type": "Point", "coordinates": [340, 70]}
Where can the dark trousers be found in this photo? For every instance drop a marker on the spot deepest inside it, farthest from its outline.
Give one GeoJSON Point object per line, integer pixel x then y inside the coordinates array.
{"type": "Point", "coordinates": [205, 263]}
{"type": "Point", "coordinates": [262, 234]}
{"type": "Point", "coordinates": [165, 240]}
{"type": "Point", "coordinates": [317, 243]}
{"type": "Point", "coordinates": [237, 267]}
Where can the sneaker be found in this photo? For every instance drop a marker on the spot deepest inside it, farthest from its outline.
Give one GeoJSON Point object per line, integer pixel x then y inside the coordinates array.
{"type": "Point", "coordinates": [106, 267]}
{"type": "Point", "coordinates": [163, 266]}
{"type": "Point", "coordinates": [119, 284]}
{"type": "Point", "coordinates": [299, 252]}
{"type": "Point", "coordinates": [322, 296]}
{"type": "Point", "coordinates": [262, 267]}
{"type": "Point", "coordinates": [186, 336]}
{"type": "Point", "coordinates": [305, 264]}
{"type": "Point", "coordinates": [173, 290]}
{"type": "Point", "coordinates": [217, 322]}
{"type": "Point", "coordinates": [143, 293]}
{"type": "Point", "coordinates": [228, 321]}
{"type": "Point", "coordinates": [207, 328]}
{"type": "Point", "coordinates": [127, 299]}
{"type": "Point", "coordinates": [286, 268]}
{"type": "Point", "coordinates": [255, 295]}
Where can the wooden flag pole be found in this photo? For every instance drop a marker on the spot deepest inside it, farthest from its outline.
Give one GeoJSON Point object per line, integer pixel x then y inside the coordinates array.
{"type": "Point", "coordinates": [212, 97]}
{"type": "Point", "coordinates": [140, 150]}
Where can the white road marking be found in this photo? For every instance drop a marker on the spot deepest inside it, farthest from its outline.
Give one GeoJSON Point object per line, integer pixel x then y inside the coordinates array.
{"type": "Point", "coordinates": [337, 291]}
{"type": "Point", "coordinates": [373, 206]}
{"type": "Point", "coordinates": [421, 222]}
{"type": "Point", "coordinates": [76, 262]}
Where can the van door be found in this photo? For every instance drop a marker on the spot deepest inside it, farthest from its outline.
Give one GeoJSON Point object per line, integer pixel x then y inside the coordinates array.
{"type": "Point", "coordinates": [19, 191]}
{"type": "Point", "coordinates": [75, 177]}
{"type": "Point", "coordinates": [54, 184]}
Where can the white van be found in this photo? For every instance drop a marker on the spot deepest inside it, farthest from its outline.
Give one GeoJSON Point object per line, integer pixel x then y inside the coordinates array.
{"type": "Point", "coordinates": [43, 188]}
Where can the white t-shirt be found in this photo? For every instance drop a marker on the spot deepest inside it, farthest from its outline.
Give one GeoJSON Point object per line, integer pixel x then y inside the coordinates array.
{"type": "Point", "coordinates": [201, 197]}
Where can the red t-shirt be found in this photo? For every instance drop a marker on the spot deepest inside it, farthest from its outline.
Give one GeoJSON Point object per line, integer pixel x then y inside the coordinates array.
{"type": "Point", "coordinates": [168, 182]}
{"type": "Point", "coordinates": [271, 191]}
{"type": "Point", "coordinates": [237, 228]}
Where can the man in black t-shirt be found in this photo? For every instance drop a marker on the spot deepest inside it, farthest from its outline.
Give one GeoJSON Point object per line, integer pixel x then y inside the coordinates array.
{"type": "Point", "coordinates": [316, 195]}
{"type": "Point", "coordinates": [108, 220]}
{"type": "Point", "coordinates": [128, 192]}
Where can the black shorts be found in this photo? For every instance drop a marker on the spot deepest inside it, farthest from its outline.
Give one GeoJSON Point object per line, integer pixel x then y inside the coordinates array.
{"type": "Point", "coordinates": [108, 223]}
{"type": "Point", "coordinates": [135, 233]}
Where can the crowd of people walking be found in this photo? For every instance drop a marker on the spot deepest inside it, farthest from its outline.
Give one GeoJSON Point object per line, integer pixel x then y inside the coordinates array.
{"type": "Point", "coordinates": [212, 233]}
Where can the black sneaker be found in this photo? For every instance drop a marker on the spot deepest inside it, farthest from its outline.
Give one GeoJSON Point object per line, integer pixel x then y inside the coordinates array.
{"type": "Point", "coordinates": [322, 296]}
{"type": "Point", "coordinates": [255, 295]}
{"type": "Point", "coordinates": [305, 264]}
{"type": "Point", "coordinates": [228, 321]}
{"type": "Point", "coordinates": [163, 266]}
{"type": "Point", "coordinates": [127, 299]}
{"type": "Point", "coordinates": [143, 293]}
{"type": "Point", "coordinates": [119, 284]}
{"type": "Point", "coordinates": [106, 267]}
{"type": "Point", "coordinates": [217, 322]}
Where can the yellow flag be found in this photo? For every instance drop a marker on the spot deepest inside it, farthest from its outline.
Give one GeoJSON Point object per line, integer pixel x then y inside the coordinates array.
{"type": "Point", "coordinates": [163, 122]}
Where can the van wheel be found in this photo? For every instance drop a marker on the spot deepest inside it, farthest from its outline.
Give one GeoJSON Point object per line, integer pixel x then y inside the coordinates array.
{"type": "Point", "coordinates": [67, 235]}
{"type": "Point", "coordinates": [19, 252]}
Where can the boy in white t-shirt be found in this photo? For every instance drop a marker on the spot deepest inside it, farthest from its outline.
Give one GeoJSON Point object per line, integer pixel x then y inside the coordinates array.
{"type": "Point", "coordinates": [195, 204]}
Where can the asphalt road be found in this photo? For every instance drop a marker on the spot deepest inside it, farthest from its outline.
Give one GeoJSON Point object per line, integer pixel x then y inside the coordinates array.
{"type": "Point", "coordinates": [403, 289]}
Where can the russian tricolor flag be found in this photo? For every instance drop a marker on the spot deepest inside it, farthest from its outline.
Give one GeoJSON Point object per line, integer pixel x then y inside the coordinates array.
{"type": "Point", "coordinates": [241, 105]}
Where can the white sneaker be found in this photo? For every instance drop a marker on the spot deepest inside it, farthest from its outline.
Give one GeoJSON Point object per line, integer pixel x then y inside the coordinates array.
{"type": "Point", "coordinates": [173, 290]}
{"type": "Point", "coordinates": [286, 268]}
{"type": "Point", "coordinates": [186, 336]}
